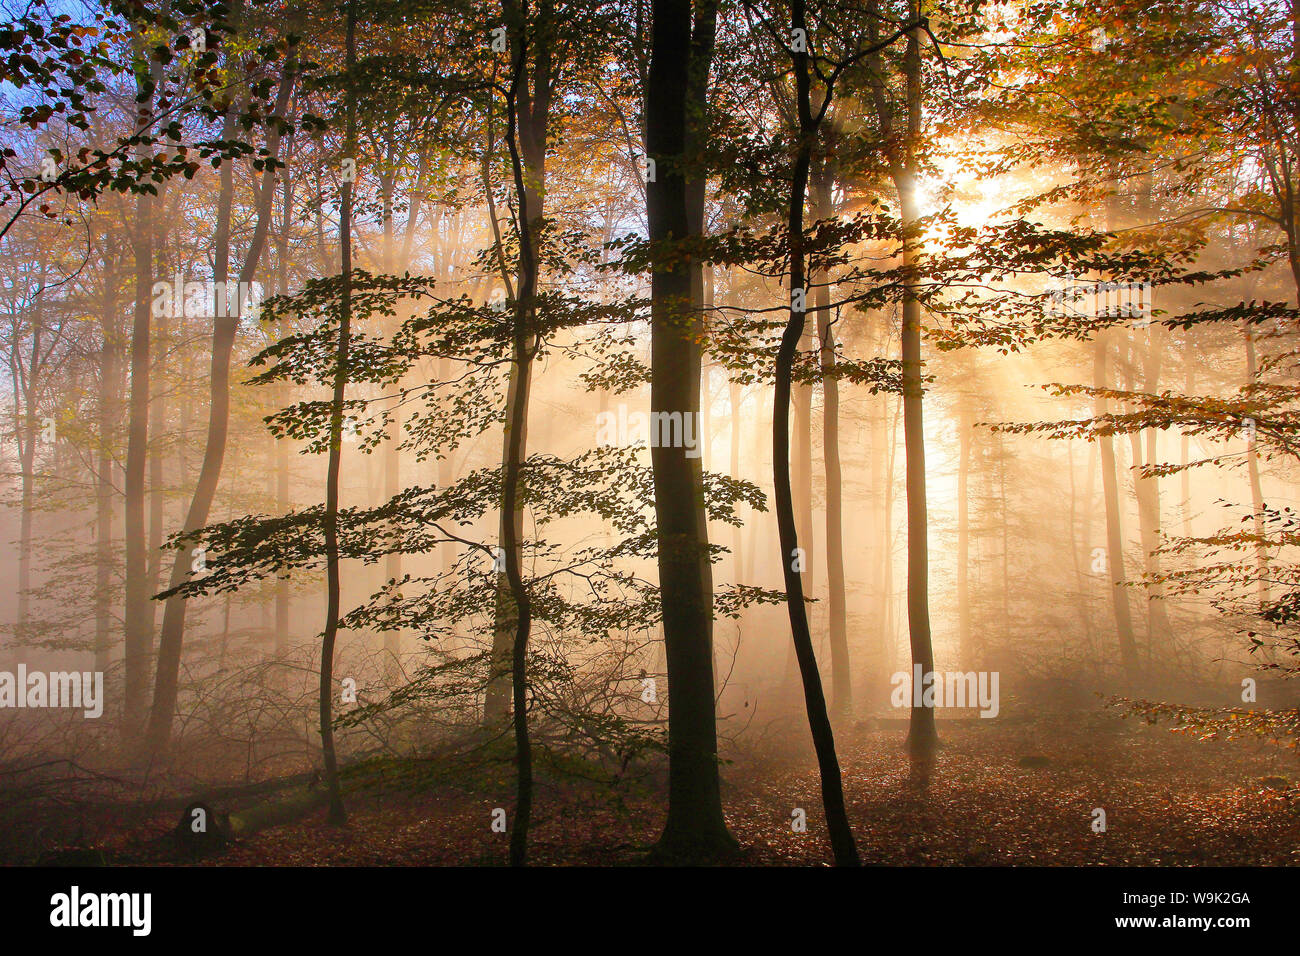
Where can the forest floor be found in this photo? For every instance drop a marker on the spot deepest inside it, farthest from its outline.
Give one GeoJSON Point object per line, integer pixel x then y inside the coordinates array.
{"type": "Point", "coordinates": [1017, 792]}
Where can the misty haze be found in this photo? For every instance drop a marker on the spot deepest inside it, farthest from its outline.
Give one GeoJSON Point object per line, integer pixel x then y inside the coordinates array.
{"type": "Point", "coordinates": [644, 432]}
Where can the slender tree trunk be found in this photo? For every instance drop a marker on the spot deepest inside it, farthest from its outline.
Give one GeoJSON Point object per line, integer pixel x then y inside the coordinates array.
{"type": "Point", "coordinates": [1185, 450]}
{"type": "Point", "coordinates": [108, 414]}
{"type": "Point", "coordinates": [27, 458]}
{"type": "Point", "coordinates": [1148, 497]}
{"type": "Point", "coordinates": [446, 474]}
{"type": "Point", "coordinates": [1114, 533]}
{"type": "Point", "coordinates": [225, 327]}
{"type": "Point", "coordinates": [282, 597]}
{"type": "Point", "coordinates": [837, 822]}
{"type": "Point", "coordinates": [841, 673]}
{"type": "Point", "coordinates": [514, 440]}
{"type": "Point", "coordinates": [1256, 487]}
{"type": "Point", "coordinates": [888, 611]}
{"type": "Point", "coordinates": [801, 491]}
{"type": "Point", "coordinates": [157, 453]}
{"type": "Point", "coordinates": [1004, 464]}
{"type": "Point", "coordinates": [801, 468]}
{"type": "Point", "coordinates": [881, 501]}
{"type": "Point", "coordinates": [393, 561]}
{"type": "Point", "coordinates": [29, 436]}
{"type": "Point", "coordinates": [337, 814]}
{"type": "Point", "coordinates": [1072, 532]}
{"type": "Point", "coordinates": [529, 125]}
{"type": "Point", "coordinates": [282, 444]}
{"type": "Point", "coordinates": [735, 397]}
{"type": "Point", "coordinates": [922, 735]}
{"type": "Point", "coordinates": [966, 634]}
{"type": "Point", "coordinates": [392, 453]}
{"type": "Point", "coordinates": [697, 95]}
{"type": "Point", "coordinates": [523, 349]}
{"type": "Point", "coordinates": [138, 614]}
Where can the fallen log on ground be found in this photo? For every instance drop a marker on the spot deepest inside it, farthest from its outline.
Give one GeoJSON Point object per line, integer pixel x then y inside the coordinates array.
{"type": "Point", "coordinates": [204, 830]}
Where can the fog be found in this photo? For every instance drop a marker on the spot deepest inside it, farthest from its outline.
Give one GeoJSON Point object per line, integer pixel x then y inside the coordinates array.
{"type": "Point", "coordinates": [364, 380]}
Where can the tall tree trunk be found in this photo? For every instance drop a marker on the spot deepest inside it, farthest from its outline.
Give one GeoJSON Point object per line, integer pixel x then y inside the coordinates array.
{"type": "Point", "coordinates": [337, 814]}
{"type": "Point", "coordinates": [965, 633]}
{"type": "Point", "coordinates": [1148, 498]}
{"type": "Point", "coordinates": [801, 467]}
{"type": "Point", "coordinates": [392, 453]}
{"type": "Point", "coordinates": [695, 827]}
{"type": "Point", "coordinates": [393, 561]}
{"type": "Point", "coordinates": [1004, 464]}
{"type": "Point", "coordinates": [514, 441]}
{"type": "Point", "coordinates": [108, 415]}
{"type": "Point", "coordinates": [523, 348]}
{"type": "Point", "coordinates": [841, 674]}
{"type": "Point", "coordinates": [735, 396]}
{"type": "Point", "coordinates": [446, 474]}
{"type": "Point", "coordinates": [27, 458]}
{"type": "Point", "coordinates": [1186, 450]}
{"type": "Point", "coordinates": [161, 349]}
{"type": "Point", "coordinates": [529, 125]}
{"type": "Point", "coordinates": [1256, 488]}
{"type": "Point", "coordinates": [881, 498]}
{"type": "Point", "coordinates": [1114, 533]}
{"type": "Point", "coordinates": [922, 735]}
{"type": "Point", "coordinates": [703, 34]}
{"type": "Point", "coordinates": [888, 610]}
{"type": "Point", "coordinates": [138, 614]}
{"type": "Point", "coordinates": [27, 391]}
{"type": "Point", "coordinates": [282, 444]}
{"type": "Point", "coordinates": [837, 822]}
{"type": "Point", "coordinates": [1081, 605]}
{"type": "Point", "coordinates": [801, 491]}
{"type": "Point", "coordinates": [225, 327]}
{"type": "Point", "coordinates": [157, 453]}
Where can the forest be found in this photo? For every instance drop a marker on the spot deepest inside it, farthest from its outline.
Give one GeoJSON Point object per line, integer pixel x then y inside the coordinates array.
{"type": "Point", "coordinates": [765, 433]}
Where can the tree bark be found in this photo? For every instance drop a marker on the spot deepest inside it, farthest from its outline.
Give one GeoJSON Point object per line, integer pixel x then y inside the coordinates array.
{"type": "Point", "coordinates": [841, 675]}
{"type": "Point", "coordinates": [529, 126]}
{"type": "Point", "coordinates": [138, 614]}
{"type": "Point", "coordinates": [282, 444]}
{"type": "Point", "coordinates": [1114, 533]}
{"type": "Point", "coordinates": [523, 349]}
{"type": "Point", "coordinates": [902, 148]}
{"type": "Point", "coordinates": [1148, 498]}
{"type": "Point", "coordinates": [965, 632]}
{"type": "Point", "coordinates": [695, 827]}
{"type": "Point", "coordinates": [337, 814]}
{"type": "Point", "coordinates": [735, 397]}
{"type": "Point", "coordinates": [922, 735]}
{"type": "Point", "coordinates": [109, 370]}
{"type": "Point", "coordinates": [225, 328]}
{"type": "Point", "coordinates": [837, 822]}
{"type": "Point", "coordinates": [1256, 487]}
